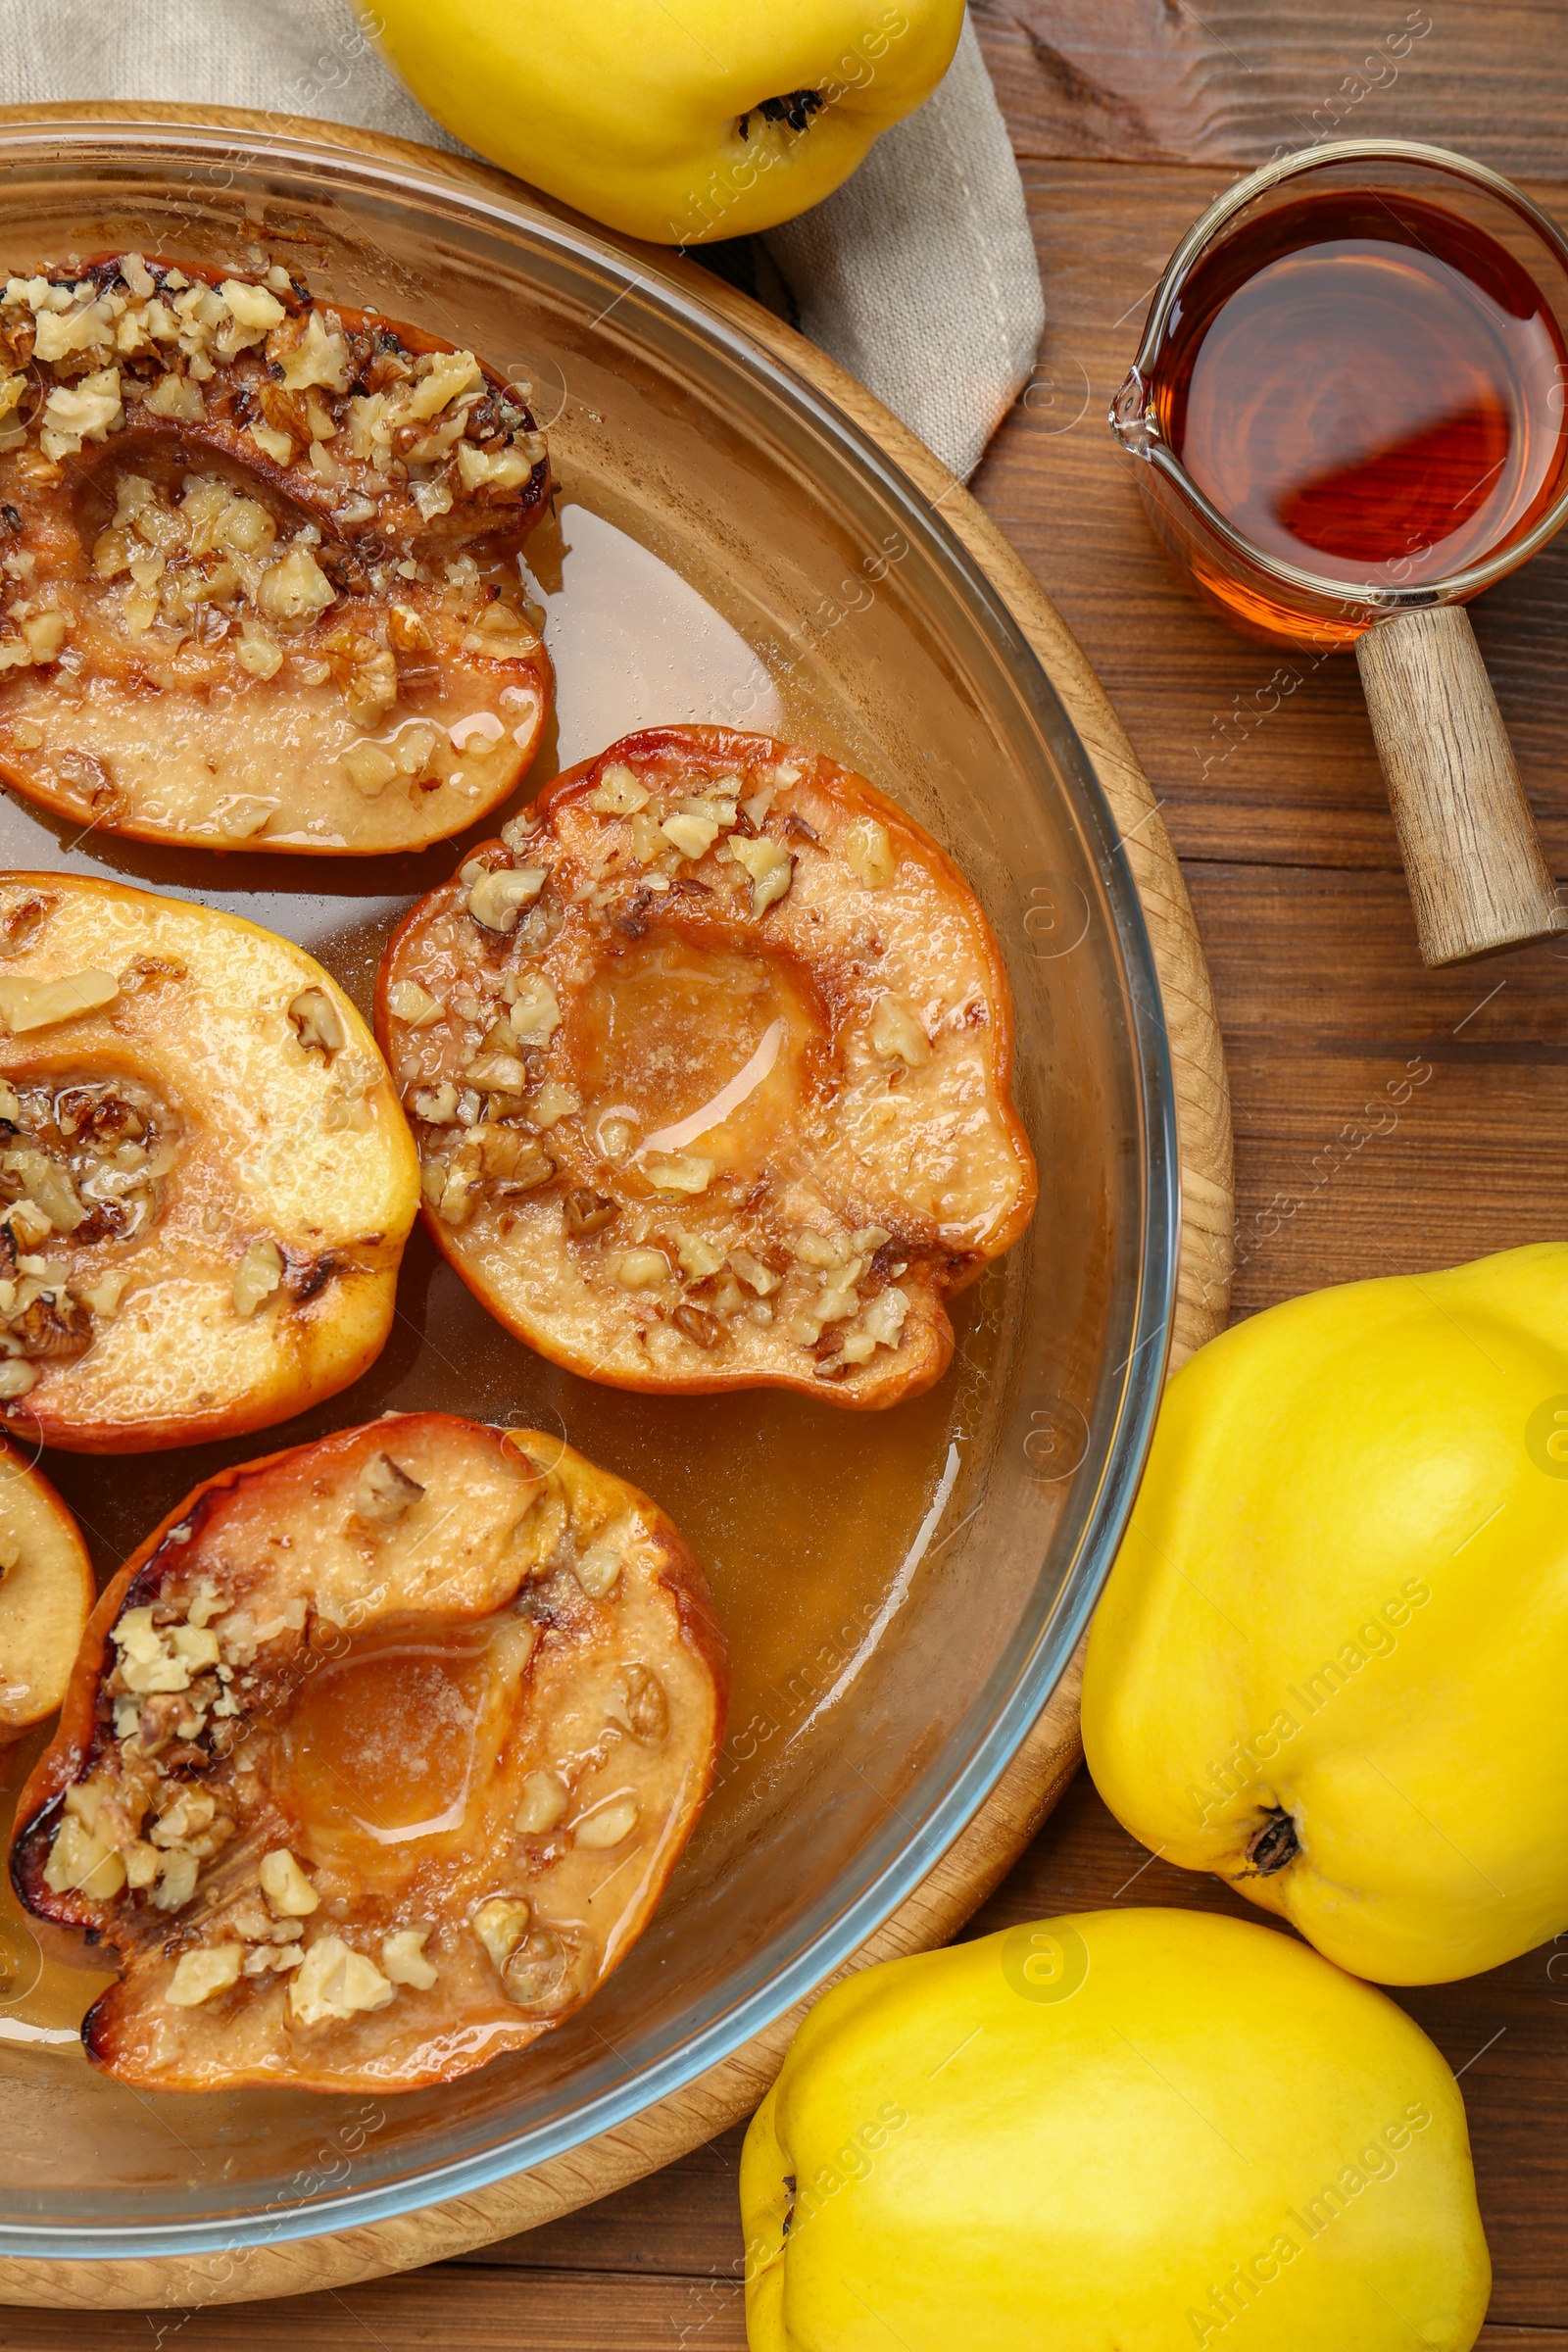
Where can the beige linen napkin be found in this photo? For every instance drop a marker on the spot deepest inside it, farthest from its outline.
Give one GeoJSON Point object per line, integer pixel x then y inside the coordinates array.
{"type": "Point", "coordinates": [919, 275]}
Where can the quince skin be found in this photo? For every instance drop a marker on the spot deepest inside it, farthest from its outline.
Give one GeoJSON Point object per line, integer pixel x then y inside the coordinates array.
{"type": "Point", "coordinates": [1141, 2129]}
{"type": "Point", "coordinates": [1330, 1661]}
{"type": "Point", "coordinates": [675, 125]}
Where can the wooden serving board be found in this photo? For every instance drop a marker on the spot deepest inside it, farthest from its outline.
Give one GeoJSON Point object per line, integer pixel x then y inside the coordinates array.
{"type": "Point", "coordinates": [984, 1851]}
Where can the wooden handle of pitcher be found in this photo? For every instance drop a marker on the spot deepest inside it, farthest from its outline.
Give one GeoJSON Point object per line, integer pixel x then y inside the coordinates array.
{"type": "Point", "coordinates": [1478, 877]}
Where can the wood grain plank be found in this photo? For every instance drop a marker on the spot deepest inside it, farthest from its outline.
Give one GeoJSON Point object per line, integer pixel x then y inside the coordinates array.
{"type": "Point", "coordinates": [683, 2222]}
{"type": "Point", "coordinates": [1237, 81]}
{"type": "Point", "coordinates": [1388, 1119]}
{"type": "Point", "coordinates": [455, 2310]}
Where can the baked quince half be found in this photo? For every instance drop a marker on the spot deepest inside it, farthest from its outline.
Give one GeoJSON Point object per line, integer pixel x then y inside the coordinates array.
{"type": "Point", "coordinates": [46, 1590]}
{"type": "Point", "coordinates": [708, 1061]}
{"type": "Point", "coordinates": [374, 1761]}
{"type": "Point", "coordinates": [258, 586]}
{"type": "Point", "coordinates": [205, 1181]}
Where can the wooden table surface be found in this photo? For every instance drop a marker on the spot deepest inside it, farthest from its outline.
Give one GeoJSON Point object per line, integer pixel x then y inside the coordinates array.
{"type": "Point", "coordinates": [1127, 117]}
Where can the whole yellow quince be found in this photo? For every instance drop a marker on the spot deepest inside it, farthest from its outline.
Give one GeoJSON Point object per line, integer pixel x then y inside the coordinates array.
{"type": "Point", "coordinates": [678, 124]}
{"type": "Point", "coordinates": [1125, 2132]}
{"type": "Point", "coordinates": [1331, 1658]}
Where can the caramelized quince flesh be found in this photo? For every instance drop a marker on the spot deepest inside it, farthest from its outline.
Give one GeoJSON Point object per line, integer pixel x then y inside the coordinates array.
{"type": "Point", "coordinates": [375, 1761]}
{"type": "Point", "coordinates": [46, 1590]}
{"type": "Point", "coordinates": [709, 1063]}
{"type": "Point", "coordinates": [256, 576]}
{"type": "Point", "coordinates": [205, 1179]}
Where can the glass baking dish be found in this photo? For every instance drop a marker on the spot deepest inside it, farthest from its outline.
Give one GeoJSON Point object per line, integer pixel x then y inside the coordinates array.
{"type": "Point", "coordinates": [903, 1590]}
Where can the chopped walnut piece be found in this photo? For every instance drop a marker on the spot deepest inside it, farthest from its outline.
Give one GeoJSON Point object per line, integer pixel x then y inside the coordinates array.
{"type": "Point", "coordinates": [414, 1005]}
{"type": "Point", "coordinates": [637, 1702]}
{"type": "Point", "coordinates": [259, 1274]}
{"type": "Point", "coordinates": [402, 1958]}
{"type": "Point", "coordinates": [287, 1889]}
{"type": "Point", "coordinates": [28, 1005]}
{"type": "Point", "coordinates": [501, 1925]}
{"type": "Point", "coordinates": [589, 1213]}
{"type": "Point", "coordinates": [868, 850]}
{"type": "Point", "coordinates": [544, 1802]}
{"type": "Point", "coordinates": [549, 1967]}
{"type": "Point", "coordinates": [385, 1492]}
{"type": "Point", "coordinates": [610, 1825]}
{"type": "Point", "coordinates": [597, 1571]}
{"type": "Point", "coordinates": [897, 1033]}
{"type": "Point", "coordinates": [699, 1327]}
{"type": "Point", "coordinates": [335, 1983]}
{"type": "Point", "coordinates": [770, 866]}
{"type": "Point", "coordinates": [496, 900]}
{"type": "Point", "coordinates": [198, 1975]}
{"type": "Point", "coordinates": [640, 1269]}
{"type": "Point", "coordinates": [317, 1021]}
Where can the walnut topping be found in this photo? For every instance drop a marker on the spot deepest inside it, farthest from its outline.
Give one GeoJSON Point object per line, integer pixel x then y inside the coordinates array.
{"type": "Point", "coordinates": [544, 1803]}
{"type": "Point", "coordinates": [545, 1969]}
{"type": "Point", "coordinates": [316, 1022]}
{"type": "Point", "coordinates": [81, 1160]}
{"type": "Point", "coordinates": [496, 900]}
{"type": "Point", "coordinates": [637, 1702]}
{"type": "Point", "coordinates": [156, 1657]}
{"type": "Point", "coordinates": [258, 1275]}
{"type": "Point", "coordinates": [640, 1269]}
{"type": "Point", "coordinates": [897, 1033]}
{"type": "Point", "coordinates": [385, 1492]}
{"type": "Point", "coordinates": [618, 792]}
{"type": "Point", "coordinates": [693, 836]}
{"type": "Point", "coordinates": [500, 1924]}
{"type": "Point", "coordinates": [588, 1212]}
{"type": "Point", "coordinates": [26, 1004]}
{"type": "Point", "coordinates": [535, 1015]}
{"type": "Point", "coordinates": [770, 866]}
{"type": "Point", "coordinates": [198, 1975]}
{"type": "Point", "coordinates": [868, 848]}
{"type": "Point", "coordinates": [402, 1958]}
{"type": "Point", "coordinates": [609, 1825]}
{"type": "Point", "coordinates": [411, 1003]}
{"type": "Point", "coordinates": [335, 1983]}
{"type": "Point", "coordinates": [597, 1571]}
{"type": "Point", "coordinates": [287, 1889]}
{"type": "Point", "coordinates": [681, 1172]}
{"type": "Point", "coordinates": [83, 1858]}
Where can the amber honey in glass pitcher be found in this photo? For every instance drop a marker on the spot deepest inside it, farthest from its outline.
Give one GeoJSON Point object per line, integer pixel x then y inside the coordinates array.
{"type": "Point", "coordinates": [1349, 406]}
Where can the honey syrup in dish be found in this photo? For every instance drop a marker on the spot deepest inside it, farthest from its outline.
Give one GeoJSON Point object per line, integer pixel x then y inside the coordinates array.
{"type": "Point", "coordinates": [1367, 386]}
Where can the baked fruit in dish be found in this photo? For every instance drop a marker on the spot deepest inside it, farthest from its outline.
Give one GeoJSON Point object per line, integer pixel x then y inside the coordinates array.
{"type": "Point", "coordinates": [205, 1180]}
{"type": "Point", "coordinates": [374, 1761]}
{"type": "Point", "coordinates": [258, 586]}
{"type": "Point", "coordinates": [46, 1590]}
{"type": "Point", "coordinates": [708, 1061]}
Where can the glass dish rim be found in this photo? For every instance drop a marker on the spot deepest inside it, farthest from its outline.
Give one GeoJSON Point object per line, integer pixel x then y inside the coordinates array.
{"type": "Point", "coordinates": [56, 137]}
{"type": "Point", "coordinates": [1377, 601]}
